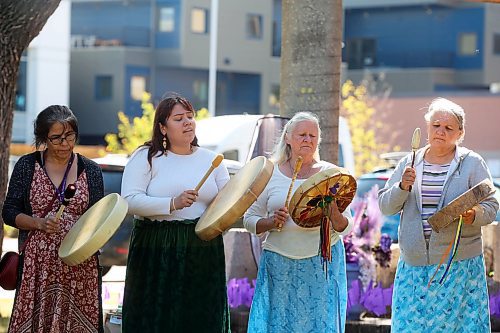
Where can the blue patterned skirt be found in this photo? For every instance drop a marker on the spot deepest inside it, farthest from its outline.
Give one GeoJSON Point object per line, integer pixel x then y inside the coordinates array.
{"type": "Point", "coordinates": [295, 295]}
{"type": "Point", "coordinates": [460, 304]}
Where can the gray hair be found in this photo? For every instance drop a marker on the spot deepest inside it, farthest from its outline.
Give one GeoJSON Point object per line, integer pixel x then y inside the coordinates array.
{"type": "Point", "coordinates": [444, 105]}
{"type": "Point", "coordinates": [48, 117]}
{"type": "Point", "coordinates": [282, 151]}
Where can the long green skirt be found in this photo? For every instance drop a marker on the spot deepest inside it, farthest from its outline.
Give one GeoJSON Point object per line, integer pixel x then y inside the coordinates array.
{"type": "Point", "coordinates": [175, 282]}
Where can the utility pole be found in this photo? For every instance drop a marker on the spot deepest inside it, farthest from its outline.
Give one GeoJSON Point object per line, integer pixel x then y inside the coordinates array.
{"type": "Point", "coordinates": [212, 67]}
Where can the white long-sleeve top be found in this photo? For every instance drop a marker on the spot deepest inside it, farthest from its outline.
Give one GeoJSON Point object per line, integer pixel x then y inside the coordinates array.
{"type": "Point", "coordinates": [149, 189]}
{"type": "Point", "coordinates": [293, 241]}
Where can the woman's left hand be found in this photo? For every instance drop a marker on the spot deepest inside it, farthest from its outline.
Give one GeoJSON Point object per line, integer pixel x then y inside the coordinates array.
{"type": "Point", "coordinates": [469, 216]}
{"type": "Point", "coordinates": [339, 221]}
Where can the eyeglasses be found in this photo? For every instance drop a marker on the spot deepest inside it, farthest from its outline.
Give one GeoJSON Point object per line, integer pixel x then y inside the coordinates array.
{"type": "Point", "coordinates": [58, 140]}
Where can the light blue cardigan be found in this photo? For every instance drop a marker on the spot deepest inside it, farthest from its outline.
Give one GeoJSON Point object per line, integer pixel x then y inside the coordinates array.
{"type": "Point", "coordinates": [466, 170]}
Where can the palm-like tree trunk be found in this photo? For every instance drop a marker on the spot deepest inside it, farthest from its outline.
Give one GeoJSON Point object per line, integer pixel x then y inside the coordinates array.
{"type": "Point", "coordinates": [20, 22]}
{"type": "Point", "coordinates": [310, 65]}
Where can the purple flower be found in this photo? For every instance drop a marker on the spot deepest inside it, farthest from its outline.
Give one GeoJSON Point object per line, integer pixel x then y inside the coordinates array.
{"type": "Point", "coordinates": [240, 292]}
{"type": "Point", "coordinates": [385, 242]}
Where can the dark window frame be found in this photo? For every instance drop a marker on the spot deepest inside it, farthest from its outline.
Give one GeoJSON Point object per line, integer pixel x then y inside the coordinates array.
{"type": "Point", "coordinates": [254, 35]}
{"type": "Point", "coordinates": [100, 89]}
{"type": "Point", "coordinates": [496, 43]}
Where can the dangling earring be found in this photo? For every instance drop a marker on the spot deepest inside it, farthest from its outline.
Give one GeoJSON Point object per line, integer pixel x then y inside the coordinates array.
{"type": "Point", "coordinates": [165, 144]}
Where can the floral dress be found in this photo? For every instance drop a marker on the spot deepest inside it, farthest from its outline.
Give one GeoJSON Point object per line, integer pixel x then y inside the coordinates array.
{"type": "Point", "coordinates": [52, 296]}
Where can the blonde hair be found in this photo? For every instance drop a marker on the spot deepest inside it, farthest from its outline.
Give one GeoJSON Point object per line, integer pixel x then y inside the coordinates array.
{"type": "Point", "coordinates": [441, 104]}
{"type": "Point", "coordinates": [282, 151]}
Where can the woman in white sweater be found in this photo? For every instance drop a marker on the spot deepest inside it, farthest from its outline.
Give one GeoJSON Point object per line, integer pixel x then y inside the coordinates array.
{"type": "Point", "coordinates": [293, 293]}
{"type": "Point", "coordinates": [173, 277]}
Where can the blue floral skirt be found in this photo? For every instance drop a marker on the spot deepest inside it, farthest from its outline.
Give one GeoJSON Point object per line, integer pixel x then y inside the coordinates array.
{"type": "Point", "coordinates": [296, 295]}
{"type": "Point", "coordinates": [460, 304]}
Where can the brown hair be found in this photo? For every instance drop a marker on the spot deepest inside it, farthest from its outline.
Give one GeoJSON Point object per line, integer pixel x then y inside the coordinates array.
{"type": "Point", "coordinates": [162, 113]}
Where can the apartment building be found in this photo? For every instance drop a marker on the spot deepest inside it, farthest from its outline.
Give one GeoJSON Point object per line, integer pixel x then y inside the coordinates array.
{"type": "Point", "coordinates": [121, 48]}
{"type": "Point", "coordinates": [421, 47]}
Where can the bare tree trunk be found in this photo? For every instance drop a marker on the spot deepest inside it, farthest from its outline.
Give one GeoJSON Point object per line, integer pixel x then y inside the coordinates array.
{"type": "Point", "coordinates": [20, 22]}
{"type": "Point", "coordinates": [310, 65]}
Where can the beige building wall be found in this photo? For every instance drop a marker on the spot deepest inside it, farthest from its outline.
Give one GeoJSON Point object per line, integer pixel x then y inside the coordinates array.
{"type": "Point", "coordinates": [400, 116]}
{"type": "Point", "coordinates": [492, 27]}
{"type": "Point", "coordinates": [235, 52]}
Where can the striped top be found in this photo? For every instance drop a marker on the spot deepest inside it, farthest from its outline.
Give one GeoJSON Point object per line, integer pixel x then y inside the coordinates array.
{"type": "Point", "coordinates": [433, 179]}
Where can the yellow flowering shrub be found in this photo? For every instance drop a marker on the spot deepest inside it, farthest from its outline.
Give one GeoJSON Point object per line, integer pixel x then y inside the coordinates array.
{"type": "Point", "coordinates": [132, 134]}
{"type": "Point", "coordinates": [358, 110]}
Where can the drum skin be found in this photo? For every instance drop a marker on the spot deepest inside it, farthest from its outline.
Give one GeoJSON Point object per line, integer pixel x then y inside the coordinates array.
{"type": "Point", "coordinates": [446, 215]}
{"type": "Point", "coordinates": [335, 182]}
{"type": "Point", "coordinates": [93, 229]}
{"type": "Point", "coordinates": [235, 198]}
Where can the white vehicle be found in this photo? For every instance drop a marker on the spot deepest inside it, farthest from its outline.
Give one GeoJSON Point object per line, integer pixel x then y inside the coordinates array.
{"type": "Point", "coordinates": [242, 137]}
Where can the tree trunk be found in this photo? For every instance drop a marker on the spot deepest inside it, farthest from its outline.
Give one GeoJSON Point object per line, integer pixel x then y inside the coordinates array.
{"type": "Point", "coordinates": [20, 22]}
{"type": "Point", "coordinates": [310, 65]}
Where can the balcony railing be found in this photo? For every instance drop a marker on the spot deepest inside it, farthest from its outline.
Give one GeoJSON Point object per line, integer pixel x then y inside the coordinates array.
{"type": "Point", "coordinates": [413, 59]}
{"type": "Point", "coordinates": [122, 36]}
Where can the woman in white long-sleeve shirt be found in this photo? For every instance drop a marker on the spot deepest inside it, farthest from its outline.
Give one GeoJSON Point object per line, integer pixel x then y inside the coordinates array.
{"type": "Point", "coordinates": [173, 277]}
{"type": "Point", "coordinates": [293, 292]}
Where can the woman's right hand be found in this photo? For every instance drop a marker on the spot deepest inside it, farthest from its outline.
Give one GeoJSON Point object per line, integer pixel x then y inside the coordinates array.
{"type": "Point", "coordinates": [49, 224]}
{"type": "Point", "coordinates": [185, 199]}
{"type": "Point", "coordinates": [275, 221]}
{"type": "Point", "coordinates": [408, 178]}
{"type": "Point", "coordinates": [279, 218]}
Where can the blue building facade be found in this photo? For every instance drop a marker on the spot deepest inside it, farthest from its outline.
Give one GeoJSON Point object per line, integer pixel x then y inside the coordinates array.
{"type": "Point", "coordinates": [123, 48]}
{"type": "Point", "coordinates": [449, 46]}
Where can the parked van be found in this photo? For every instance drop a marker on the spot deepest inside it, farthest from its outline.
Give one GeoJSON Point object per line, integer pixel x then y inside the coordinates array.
{"type": "Point", "coordinates": [242, 137]}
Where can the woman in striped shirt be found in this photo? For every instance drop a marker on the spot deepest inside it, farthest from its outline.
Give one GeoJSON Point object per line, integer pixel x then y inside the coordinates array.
{"type": "Point", "coordinates": [443, 171]}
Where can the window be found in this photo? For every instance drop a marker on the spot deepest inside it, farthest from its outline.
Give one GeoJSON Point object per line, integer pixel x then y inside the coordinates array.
{"type": "Point", "coordinates": [231, 155]}
{"type": "Point", "coordinates": [200, 91]}
{"type": "Point", "coordinates": [103, 87]}
{"type": "Point", "coordinates": [361, 53]}
{"type": "Point", "coordinates": [137, 87]}
{"type": "Point", "coordinates": [254, 26]}
{"type": "Point", "coordinates": [276, 37]}
{"type": "Point", "coordinates": [274, 96]}
{"type": "Point", "coordinates": [20, 102]}
{"type": "Point", "coordinates": [276, 47]}
{"type": "Point", "coordinates": [467, 44]}
{"type": "Point", "coordinates": [496, 44]}
{"type": "Point", "coordinates": [166, 19]}
{"type": "Point", "coordinates": [199, 22]}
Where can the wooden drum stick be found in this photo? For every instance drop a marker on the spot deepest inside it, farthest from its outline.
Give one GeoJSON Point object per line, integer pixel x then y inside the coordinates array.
{"type": "Point", "coordinates": [69, 192]}
{"type": "Point", "coordinates": [415, 144]}
{"type": "Point", "coordinates": [296, 169]}
{"type": "Point", "coordinates": [215, 163]}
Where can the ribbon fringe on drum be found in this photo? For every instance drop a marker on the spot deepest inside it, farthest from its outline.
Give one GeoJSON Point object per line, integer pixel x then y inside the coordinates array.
{"type": "Point", "coordinates": [451, 252]}
{"type": "Point", "coordinates": [325, 242]}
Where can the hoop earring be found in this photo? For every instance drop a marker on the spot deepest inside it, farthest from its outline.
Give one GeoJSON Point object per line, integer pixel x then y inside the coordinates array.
{"type": "Point", "coordinates": [164, 143]}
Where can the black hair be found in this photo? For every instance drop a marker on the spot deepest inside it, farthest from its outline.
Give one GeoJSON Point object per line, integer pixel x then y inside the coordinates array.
{"type": "Point", "coordinates": [48, 117]}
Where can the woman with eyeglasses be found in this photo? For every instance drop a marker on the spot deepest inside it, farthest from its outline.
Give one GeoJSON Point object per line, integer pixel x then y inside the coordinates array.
{"type": "Point", "coordinates": [52, 296]}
